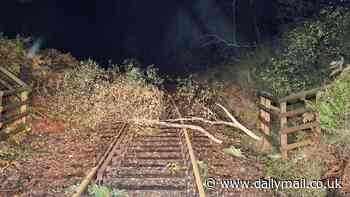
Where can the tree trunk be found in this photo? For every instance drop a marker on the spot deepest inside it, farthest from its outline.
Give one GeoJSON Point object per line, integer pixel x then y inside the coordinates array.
{"type": "Point", "coordinates": [234, 24]}
{"type": "Point", "coordinates": [255, 21]}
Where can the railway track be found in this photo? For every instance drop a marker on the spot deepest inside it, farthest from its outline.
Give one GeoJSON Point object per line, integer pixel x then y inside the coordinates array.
{"type": "Point", "coordinates": [165, 163]}
{"type": "Point", "coordinates": [155, 164]}
{"type": "Point", "coordinates": [161, 163]}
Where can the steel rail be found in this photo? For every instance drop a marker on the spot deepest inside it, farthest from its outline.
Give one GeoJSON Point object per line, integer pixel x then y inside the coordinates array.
{"type": "Point", "coordinates": [195, 167]}
{"type": "Point", "coordinates": [104, 159]}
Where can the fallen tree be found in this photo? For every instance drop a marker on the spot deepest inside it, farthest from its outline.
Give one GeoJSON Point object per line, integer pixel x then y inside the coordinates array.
{"type": "Point", "coordinates": [178, 123]}
{"type": "Point", "coordinates": [180, 126]}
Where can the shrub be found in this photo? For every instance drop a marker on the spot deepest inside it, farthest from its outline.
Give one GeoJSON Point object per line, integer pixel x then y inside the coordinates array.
{"type": "Point", "coordinates": [296, 169]}
{"type": "Point", "coordinates": [135, 73]}
{"type": "Point", "coordinates": [195, 97]}
{"type": "Point", "coordinates": [333, 105]}
{"type": "Point", "coordinates": [306, 50]}
{"type": "Point", "coordinates": [87, 98]}
{"type": "Point", "coordinates": [13, 54]}
{"type": "Point", "coordinates": [193, 90]}
{"type": "Point", "coordinates": [58, 60]}
{"type": "Point", "coordinates": [16, 57]}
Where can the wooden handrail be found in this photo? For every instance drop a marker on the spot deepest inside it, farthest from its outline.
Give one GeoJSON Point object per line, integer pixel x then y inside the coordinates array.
{"type": "Point", "coordinates": [300, 95]}
{"type": "Point", "coordinates": [1, 94]}
{"type": "Point", "coordinates": [283, 114]}
{"type": "Point", "coordinates": [300, 128]}
{"type": "Point", "coordinates": [272, 109]}
{"type": "Point", "coordinates": [13, 118]}
{"type": "Point", "coordinates": [13, 77]}
{"type": "Point", "coordinates": [7, 85]}
{"type": "Point", "coordinates": [283, 136]}
{"type": "Point", "coordinates": [11, 107]}
{"type": "Point", "coordinates": [267, 95]}
{"type": "Point", "coordinates": [291, 97]}
{"type": "Point", "coordinates": [7, 134]}
{"type": "Point", "coordinates": [16, 91]}
{"type": "Point", "coordinates": [295, 112]}
{"type": "Point", "coordinates": [298, 144]}
{"type": "Point", "coordinates": [8, 110]}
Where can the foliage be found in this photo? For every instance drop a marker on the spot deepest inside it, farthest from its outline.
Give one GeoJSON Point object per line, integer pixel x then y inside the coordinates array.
{"type": "Point", "coordinates": [195, 97]}
{"type": "Point", "coordinates": [333, 105]}
{"type": "Point", "coordinates": [203, 169]}
{"type": "Point", "coordinates": [98, 191]}
{"type": "Point", "coordinates": [240, 72]}
{"type": "Point", "coordinates": [187, 88]}
{"type": "Point", "coordinates": [194, 91]}
{"type": "Point", "coordinates": [175, 168]}
{"type": "Point", "coordinates": [295, 169]}
{"type": "Point", "coordinates": [34, 69]}
{"type": "Point", "coordinates": [57, 60]}
{"type": "Point", "coordinates": [291, 11]}
{"type": "Point", "coordinates": [294, 10]}
{"type": "Point", "coordinates": [90, 95]}
{"type": "Point", "coordinates": [236, 152]}
{"type": "Point", "coordinates": [8, 154]}
{"type": "Point", "coordinates": [20, 136]}
{"type": "Point", "coordinates": [302, 61]}
{"type": "Point", "coordinates": [103, 191]}
{"type": "Point", "coordinates": [71, 189]}
{"type": "Point", "coordinates": [13, 53]}
{"type": "Point", "coordinates": [135, 73]}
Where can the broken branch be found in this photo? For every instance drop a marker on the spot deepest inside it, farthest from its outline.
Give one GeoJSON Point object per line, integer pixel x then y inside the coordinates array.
{"type": "Point", "coordinates": [239, 125]}
{"type": "Point", "coordinates": [204, 120]}
{"type": "Point", "coordinates": [181, 126]}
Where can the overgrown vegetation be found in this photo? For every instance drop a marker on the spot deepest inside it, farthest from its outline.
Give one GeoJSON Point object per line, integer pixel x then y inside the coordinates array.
{"type": "Point", "coordinates": [309, 168]}
{"type": "Point", "coordinates": [86, 95]}
{"type": "Point", "coordinates": [301, 61]}
{"type": "Point", "coordinates": [90, 95]}
{"type": "Point", "coordinates": [334, 108]}
{"type": "Point", "coordinates": [13, 53]}
{"type": "Point", "coordinates": [195, 92]}
{"type": "Point", "coordinates": [103, 191]}
{"type": "Point", "coordinates": [305, 52]}
{"type": "Point", "coordinates": [98, 191]}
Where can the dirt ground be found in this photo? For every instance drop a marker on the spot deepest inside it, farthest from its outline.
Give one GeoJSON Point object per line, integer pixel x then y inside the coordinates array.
{"type": "Point", "coordinates": [50, 160]}
{"type": "Point", "coordinates": [53, 158]}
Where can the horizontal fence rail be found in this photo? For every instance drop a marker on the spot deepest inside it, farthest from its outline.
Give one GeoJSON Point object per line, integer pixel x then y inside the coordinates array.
{"type": "Point", "coordinates": [284, 110]}
{"type": "Point", "coordinates": [14, 104]}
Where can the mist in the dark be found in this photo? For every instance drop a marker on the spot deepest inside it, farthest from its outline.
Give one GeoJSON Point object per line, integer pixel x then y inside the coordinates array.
{"type": "Point", "coordinates": [155, 32]}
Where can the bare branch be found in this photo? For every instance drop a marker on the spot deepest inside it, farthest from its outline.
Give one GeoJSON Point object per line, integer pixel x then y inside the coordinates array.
{"type": "Point", "coordinates": [215, 39]}
{"type": "Point", "coordinates": [181, 126]}
{"type": "Point", "coordinates": [203, 120]}
{"type": "Point", "coordinates": [239, 125]}
{"type": "Point", "coordinates": [173, 124]}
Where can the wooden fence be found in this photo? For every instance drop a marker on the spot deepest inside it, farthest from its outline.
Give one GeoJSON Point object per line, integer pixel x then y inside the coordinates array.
{"type": "Point", "coordinates": [14, 100]}
{"type": "Point", "coordinates": [284, 110]}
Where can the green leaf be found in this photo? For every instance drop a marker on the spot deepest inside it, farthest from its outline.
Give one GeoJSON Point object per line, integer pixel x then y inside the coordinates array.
{"type": "Point", "coordinates": [236, 152]}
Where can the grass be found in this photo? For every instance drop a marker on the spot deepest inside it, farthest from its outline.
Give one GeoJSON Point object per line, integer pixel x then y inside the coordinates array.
{"type": "Point", "coordinates": [296, 168]}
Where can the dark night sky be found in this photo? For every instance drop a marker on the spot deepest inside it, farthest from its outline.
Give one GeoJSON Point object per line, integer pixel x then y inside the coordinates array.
{"type": "Point", "coordinates": [108, 29]}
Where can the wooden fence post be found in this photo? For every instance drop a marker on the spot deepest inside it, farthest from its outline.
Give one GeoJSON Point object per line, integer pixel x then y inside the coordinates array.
{"type": "Point", "coordinates": [318, 128]}
{"type": "Point", "coordinates": [24, 107]}
{"type": "Point", "coordinates": [1, 108]}
{"type": "Point", "coordinates": [284, 137]}
{"type": "Point", "coordinates": [265, 119]}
